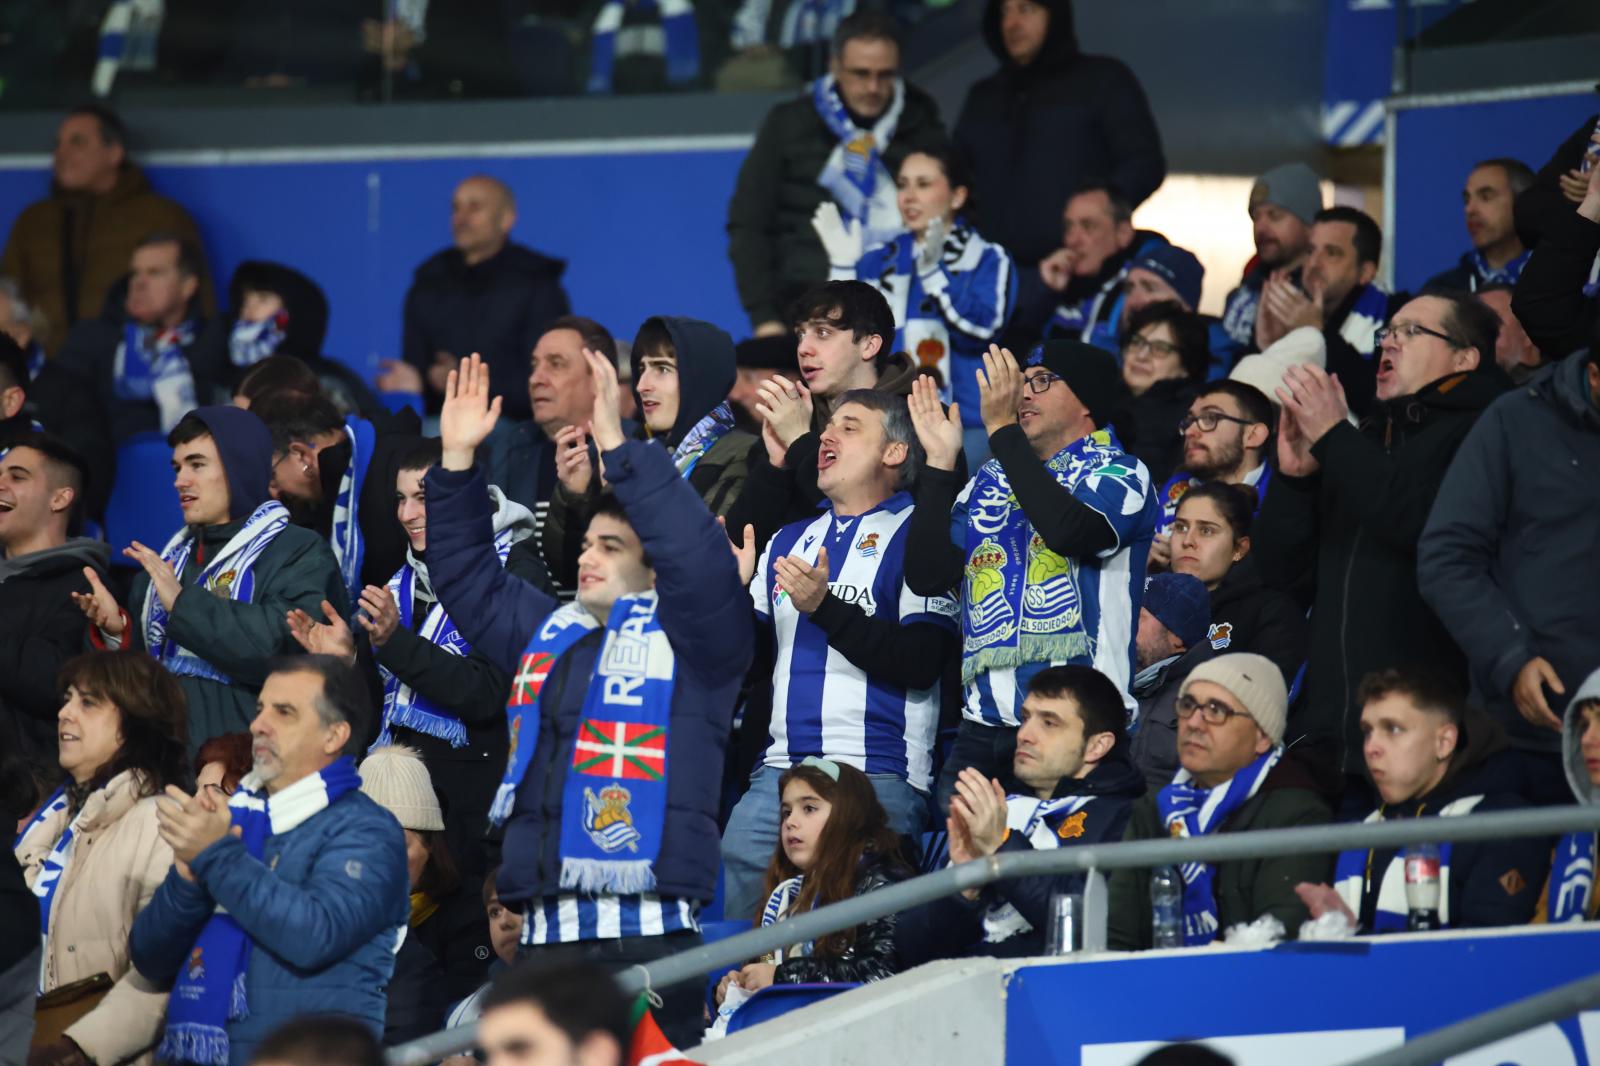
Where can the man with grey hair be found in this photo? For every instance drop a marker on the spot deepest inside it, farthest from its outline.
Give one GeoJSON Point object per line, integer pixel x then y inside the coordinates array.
{"type": "Point", "coordinates": [484, 294]}
{"type": "Point", "coordinates": [858, 654]}
{"type": "Point", "coordinates": [298, 863]}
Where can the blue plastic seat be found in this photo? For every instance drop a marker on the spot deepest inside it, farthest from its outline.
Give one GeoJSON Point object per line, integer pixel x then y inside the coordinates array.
{"type": "Point", "coordinates": [143, 505]}
{"type": "Point", "coordinates": [776, 1000]}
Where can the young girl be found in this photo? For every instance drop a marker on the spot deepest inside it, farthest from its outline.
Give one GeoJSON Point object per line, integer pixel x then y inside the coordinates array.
{"type": "Point", "coordinates": [952, 292]}
{"type": "Point", "coordinates": [834, 842]}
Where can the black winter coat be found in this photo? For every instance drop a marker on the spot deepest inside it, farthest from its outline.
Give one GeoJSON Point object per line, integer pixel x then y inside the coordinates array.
{"type": "Point", "coordinates": [1351, 530]}
{"type": "Point", "coordinates": [776, 254]}
{"type": "Point", "coordinates": [1510, 558]}
{"type": "Point", "coordinates": [1036, 134]}
{"type": "Point", "coordinates": [1246, 615]}
{"type": "Point", "coordinates": [1147, 425]}
{"type": "Point", "coordinates": [1549, 299]}
{"type": "Point", "coordinates": [871, 957]}
{"type": "Point", "coordinates": [497, 308]}
{"type": "Point", "coordinates": [40, 629]}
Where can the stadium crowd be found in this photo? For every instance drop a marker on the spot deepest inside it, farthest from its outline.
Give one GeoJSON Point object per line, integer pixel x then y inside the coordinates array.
{"type": "Point", "coordinates": [985, 540]}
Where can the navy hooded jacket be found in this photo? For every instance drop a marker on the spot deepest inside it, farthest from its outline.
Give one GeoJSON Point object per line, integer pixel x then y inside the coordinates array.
{"type": "Point", "coordinates": [704, 611]}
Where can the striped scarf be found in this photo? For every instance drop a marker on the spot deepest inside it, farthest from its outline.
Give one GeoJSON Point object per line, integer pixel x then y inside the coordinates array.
{"type": "Point", "coordinates": [855, 174]}
{"type": "Point", "coordinates": [1352, 876]}
{"type": "Point", "coordinates": [150, 367]}
{"type": "Point", "coordinates": [681, 47]}
{"type": "Point", "coordinates": [51, 871]}
{"type": "Point", "coordinates": [1570, 895]}
{"type": "Point", "coordinates": [702, 437]}
{"type": "Point", "coordinates": [1045, 824]}
{"type": "Point", "coordinates": [1190, 811]}
{"type": "Point", "coordinates": [348, 546]}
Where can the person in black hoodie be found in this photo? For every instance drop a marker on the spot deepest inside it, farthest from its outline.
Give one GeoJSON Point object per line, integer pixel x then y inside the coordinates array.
{"type": "Point", "coordinates": [1050, 121]}
{"type": "Point", "coordinates": [275, 310]}
{"type": "Point", "coordinates": [1508, 557]}
{"type": "Point", "coordinates": [41, 483]}
{"type": "Point", "coordinates": [487, 294]}
{"type": "Point", "coordinates": [1340, 527]}
{"type": "Point", "coordinates": [683, 371]}
{"type": "Point", "coordinates": [1072, 782]}
{"type": "Point", "coordinates": [1429, 758]}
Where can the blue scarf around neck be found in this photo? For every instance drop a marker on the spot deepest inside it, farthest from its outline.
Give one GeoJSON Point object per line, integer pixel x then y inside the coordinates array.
{"type": "Point", "coordinates": [1570, 895]}
{"type": "Point", "coordinates": [50, 872]}
{"type": "Point", "coordinates": [210, 990]}
{"type": "Point", "coordinates": [150, 367]}
{"type": "Point", "coordinates": [701, 438]}
{"type": "Point", "coordinates": [678, 25]}
{"type": "Point", "coordinates": [251, 342]}
{"type": "Point", "coordinates": [348, 546]}
{"type": "Point", "coordinates": [855, 174]}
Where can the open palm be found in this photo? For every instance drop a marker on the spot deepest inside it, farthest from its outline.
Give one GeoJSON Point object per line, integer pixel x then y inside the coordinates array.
{"type": "Point", "coordinates": [468, 414]}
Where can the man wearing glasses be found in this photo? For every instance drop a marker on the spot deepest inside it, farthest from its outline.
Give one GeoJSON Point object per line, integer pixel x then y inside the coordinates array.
{"type": "Point", "coordinates": [1225, 438]}
{"type": "Point", "coordinates": [1348, 505]}
{"type": "Point", "coordinates": [1047, 542]}
{"type": "Point", "coordinates": [1235, 776]}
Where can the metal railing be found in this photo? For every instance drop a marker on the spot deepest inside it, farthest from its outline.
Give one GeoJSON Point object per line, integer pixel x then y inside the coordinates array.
{"type": "Point", "coordinates": [1086, 858]}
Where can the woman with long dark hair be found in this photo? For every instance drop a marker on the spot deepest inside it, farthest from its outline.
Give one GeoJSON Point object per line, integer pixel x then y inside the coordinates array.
{"type": "Point", "coordinates": [92, 853]}
{"type": "Point", "coordinates": [834, 842]}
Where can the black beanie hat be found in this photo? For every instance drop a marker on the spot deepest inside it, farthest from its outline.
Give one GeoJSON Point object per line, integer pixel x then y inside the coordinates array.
{"type": "Point", "coordinates": [1091, 373]}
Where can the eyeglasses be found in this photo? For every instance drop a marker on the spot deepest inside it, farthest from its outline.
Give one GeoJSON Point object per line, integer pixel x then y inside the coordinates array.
{"type": "Point", "coordinates": [1038, 383]}
{"type": "Point", "coordinates": [1406, 331]}
{"type": "Point", "coordinates": [1136, 344]}
{"type": "Point", "coordinates": [1213, 712]}
{"type": "Point", "coordinates": [1207, 420]}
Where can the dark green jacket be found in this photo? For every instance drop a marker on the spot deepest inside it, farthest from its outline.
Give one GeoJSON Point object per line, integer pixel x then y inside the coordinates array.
{"type": "Point", "coordinates": [296, 570]}
{"type": "Point", "coordinates": [776, 254]}
{"type": "Point", "coordinates": [1245, 889]}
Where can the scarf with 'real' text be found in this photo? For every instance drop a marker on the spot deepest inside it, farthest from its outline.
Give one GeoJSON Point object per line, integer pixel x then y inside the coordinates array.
{"type": "Point", "coordinates": [614, 801]}
{"type": "Point", "coordinates": [1190, 811]}
{"type": "Point", "coordinates": [210, 990]}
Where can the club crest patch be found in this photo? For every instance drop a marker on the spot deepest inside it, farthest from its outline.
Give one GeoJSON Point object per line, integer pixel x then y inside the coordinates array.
{"type": "Point", "coordinates": [868, 545]}
{"type": "Point", "coordinates": [607, 819]}
{"type": "Point", "coordinates": [1221, 635]}
{"type": "Point", "coordinates": [196, 967]}
{"type": "Point", "coordinates": [1072, 828]}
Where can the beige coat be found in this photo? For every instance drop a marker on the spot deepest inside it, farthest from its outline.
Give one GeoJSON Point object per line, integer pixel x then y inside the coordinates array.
{"type": "Point", "coordinates": [117, 862]}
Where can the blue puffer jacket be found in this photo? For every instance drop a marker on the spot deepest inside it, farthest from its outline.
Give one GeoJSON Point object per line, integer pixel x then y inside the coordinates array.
{"type": "Point", "coordinates": [323, 906]}
{"type": "Point", "coordinates": [704, 611]}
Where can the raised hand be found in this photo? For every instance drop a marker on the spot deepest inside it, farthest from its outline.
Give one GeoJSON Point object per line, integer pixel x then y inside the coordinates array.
{"type": "Point", "coordinates": [190, 825]}
{"type": "Point", "coordinates": [999, 388]}
{"type": "Point", "coordinates": [981, 802]}
{"type": "Point", "coordinates": [1315, 398]}
{"type": "Point", "coordinates": [98, 605]}
{"type": "Point", "coordinates": [744, 552]}
{"type": "Point", "coordinates": [806, 585]}
{"type": "Point", "coordinates": [1294, 450]}
{"type": "Point", "coordinates": [786, 406]}
{"type": "Point", "coordinates": [379, 615]}
{"type": "Point", "coordinates": [163, 581]}
{"type": "Point", "coordinates": [840, 238]}
{"type": "Point", "coordinates": [318, 638]}
{"type": "Point", "coordinates": [939, 432]}
{"type": "Point", "coordinates": [468, 415]}
{"type": "Point", "coordinates": [573, 468]}
{"type": "Point", "coordinates": [606, 422]}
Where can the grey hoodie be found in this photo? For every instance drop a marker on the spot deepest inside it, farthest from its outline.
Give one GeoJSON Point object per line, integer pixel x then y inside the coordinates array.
{"type": "Point", "coordinates": [75, 554]}
{"type": "Point", "coordinates": [1572, 739]}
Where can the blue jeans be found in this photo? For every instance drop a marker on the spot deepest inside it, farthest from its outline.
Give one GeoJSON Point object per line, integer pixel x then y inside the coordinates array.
{"type": "Point", "coordinates": [752, 834]}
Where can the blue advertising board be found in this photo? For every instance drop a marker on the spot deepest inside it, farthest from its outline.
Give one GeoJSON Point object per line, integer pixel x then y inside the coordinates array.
{"type": "Point", "coordinates": [1305, 1004]}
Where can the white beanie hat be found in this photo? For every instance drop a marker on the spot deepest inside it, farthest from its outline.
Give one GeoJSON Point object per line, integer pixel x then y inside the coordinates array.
{"type": "Point", "coordinates": [396, 778]}
{"type": "Point", "coordinates": [1265, 371]}
{"type": "Point", "coordinates": [1253, 680]}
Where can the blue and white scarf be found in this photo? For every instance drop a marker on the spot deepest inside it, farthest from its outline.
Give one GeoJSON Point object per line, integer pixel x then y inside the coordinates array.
{"type": "Point", "coordinates": [150, 366]}
{"type": "Point", "coordinates": [614, 803]}
{"type": "Point", "coordinates": [1352, 876]}
{"type": "Point", "coordinates": [251, 342]}
{"type": "Point", "coordinates": [810, 22]}
{"type": "Point", "coordinates": [1360, 326]}
{"type": "Point", "coordinates": [55, 864]}
{"type": "Point", "coordinates": [701, 438]}
{"type": "Point", "coordinates": [1179, 484]}
{"type": "Point", "coordinates": [402, 705]}
{"type": "Point", "coordinates": [1570, 895]}
{"type": "Point", "coordinates": [777, 908]}
{"type": "Point", "coordinates": [230, 575]}
{"type": "Point", "coordinates": [1045, 824]}
{"type": "Point", "coordinates": [1021, 602]}
{"type": "Point", "coordinates": [1190, 811]}
{"type": "Point", "coordinates": [348, 546]}
{"type": "Point", "coordinates": [210, 990]}
{"type": "Point", "coordinates": [855, 175]}
{"type": "Point", "coordinates": [678, 26]}
{"type": "Point", "coordinates": [1484, 275]}
{"type": "Point", "coordinates": [128, 35]}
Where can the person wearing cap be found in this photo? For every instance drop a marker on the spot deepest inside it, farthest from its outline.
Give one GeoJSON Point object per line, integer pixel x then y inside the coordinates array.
{"type": "Point", "coordinates": [1164, 356]}
{"type": "Point", "coordinates": [1283, 201]}
{"type": "Point", "coordinates": [289, 899]}
{"type": "Point", "coordinates": [1161, 273]}
{"type": "Point", "coordinates": [1050, 536]}
{"type": "Point", "coordinates": [759, 359]}
{"type": "Point", "coordinates": [211, 604]}
{"type": "Point", "coordinates": [41, 563]}
{"type": "Point", "coordinates": [1507, 558]}
{"type": "Point", "coordinates": [1171, 641]}
{"type": "Point", "coordinates": [1430, 756]}
{"type": "Point", "coordinates": [1340, 529]}
{"type": "Point", "coordinates": [1234, 777]}
{"type": "Point", "coordinates": [1071, 783]}
{"type": "Point", "coordinates": [446, 951]}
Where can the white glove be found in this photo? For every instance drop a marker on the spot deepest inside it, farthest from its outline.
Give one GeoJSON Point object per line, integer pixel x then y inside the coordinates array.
{"type": "Point", "coordinates": [841, 239]}
{"type": "Point", "coordinates": [931, 250]}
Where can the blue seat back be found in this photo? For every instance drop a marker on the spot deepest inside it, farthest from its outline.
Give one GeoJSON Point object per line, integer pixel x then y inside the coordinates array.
{"type": "Point", "coordinates": [775, 1000]}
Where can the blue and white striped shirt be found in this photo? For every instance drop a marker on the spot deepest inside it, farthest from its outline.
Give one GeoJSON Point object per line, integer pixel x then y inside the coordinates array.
{"type": "Point", "coordinates": [822, 703]}
{"type": "Point", "coordinates": [572, 917]}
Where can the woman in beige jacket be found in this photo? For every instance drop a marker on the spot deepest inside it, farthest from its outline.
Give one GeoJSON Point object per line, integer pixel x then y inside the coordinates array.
{"type": "Point", "coordinates": [92, 854]}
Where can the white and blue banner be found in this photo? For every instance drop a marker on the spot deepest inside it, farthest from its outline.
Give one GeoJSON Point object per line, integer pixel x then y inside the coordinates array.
{"type": "Point", "coordinates": [1358, 71]}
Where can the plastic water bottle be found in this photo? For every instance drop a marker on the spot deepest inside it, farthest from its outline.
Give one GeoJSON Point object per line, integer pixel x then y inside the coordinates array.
{"type": "Point", "coordinates": [1166, 906]}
